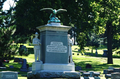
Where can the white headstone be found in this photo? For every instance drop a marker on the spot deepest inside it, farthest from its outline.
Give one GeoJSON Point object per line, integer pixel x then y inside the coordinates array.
{"type": "Point", "coordinates": [8, 75]}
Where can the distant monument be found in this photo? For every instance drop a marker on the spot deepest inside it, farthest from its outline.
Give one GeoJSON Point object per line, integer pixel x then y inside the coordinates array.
{"type": "Point", "coordinates": [56, 52]}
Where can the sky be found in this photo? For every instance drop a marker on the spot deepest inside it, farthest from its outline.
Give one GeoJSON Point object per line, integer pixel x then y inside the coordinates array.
{"type": "Point", "coordinates": [7, 4]}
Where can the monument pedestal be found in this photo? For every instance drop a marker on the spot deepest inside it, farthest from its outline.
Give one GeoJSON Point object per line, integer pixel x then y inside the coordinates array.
{"type": "Point", "coordinates": [36, 66]}
{"type": "Point", "coordinates": [54, 54]}
{"type": "Point", "coordinates": [58, 67]}
{"type": "Point", "coordinates": [39, 66]}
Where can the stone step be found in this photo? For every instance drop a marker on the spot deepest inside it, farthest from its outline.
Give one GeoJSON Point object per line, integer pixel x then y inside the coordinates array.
{"type": "Point", "coordinates": [88, 78]}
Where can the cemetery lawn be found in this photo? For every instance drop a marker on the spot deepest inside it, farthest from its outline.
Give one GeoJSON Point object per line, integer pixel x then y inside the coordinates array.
{"type": "Point", "coordinates": [98, 63]}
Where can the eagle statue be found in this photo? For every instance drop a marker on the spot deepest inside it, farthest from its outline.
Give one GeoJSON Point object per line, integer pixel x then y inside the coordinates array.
{"type": "Point", "coordinates": [53, 12]}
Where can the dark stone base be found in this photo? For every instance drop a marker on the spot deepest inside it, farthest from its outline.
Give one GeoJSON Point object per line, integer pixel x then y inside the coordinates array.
{"type": "Point", "coordinates": [53, 75]}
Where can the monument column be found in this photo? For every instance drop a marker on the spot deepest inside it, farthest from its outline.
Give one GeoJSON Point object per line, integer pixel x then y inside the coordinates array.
{"type": "Point", "coordinates": [54, 43]}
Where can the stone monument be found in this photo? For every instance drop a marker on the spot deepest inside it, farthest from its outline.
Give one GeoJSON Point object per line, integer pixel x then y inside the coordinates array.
{"type": "Point", "coordinates": [56, 59]}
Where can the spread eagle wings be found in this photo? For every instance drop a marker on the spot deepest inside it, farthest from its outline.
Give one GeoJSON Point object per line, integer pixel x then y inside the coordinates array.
{"type": "Point", "coordinates": [50, 10]}
{"type": "Point", "coordinates": [61, 10]}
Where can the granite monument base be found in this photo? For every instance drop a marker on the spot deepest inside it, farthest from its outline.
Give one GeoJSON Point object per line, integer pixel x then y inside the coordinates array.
{"type": "Point", "coordinates": [53, 75]}
{"type": "Point", "coordinates": [58, 67]}
{"type": "Point", "coordinates": [36, 66]}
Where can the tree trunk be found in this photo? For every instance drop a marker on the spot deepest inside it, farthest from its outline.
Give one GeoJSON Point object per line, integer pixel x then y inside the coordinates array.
{"type": "Point", "coordinates": [109, 43]}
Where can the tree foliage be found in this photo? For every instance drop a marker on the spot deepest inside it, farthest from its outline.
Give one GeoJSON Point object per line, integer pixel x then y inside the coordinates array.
{"type": "Point", "coordinates": [29, 17]}
{"type": "Point", "coordinates": [82, 14]}
{"type": "Point", "coordinates": [107, 15]}
{"type": "Point", "coordinates": [7, 29]}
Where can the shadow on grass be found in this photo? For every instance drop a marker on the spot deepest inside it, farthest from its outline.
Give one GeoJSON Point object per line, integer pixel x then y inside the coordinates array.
{"type": "Point", "coordinates": [96, 66]}
{"type": "Point", "coordinates": [76, 51]}
{"type": "Point", "coordinates": [88, 54]}
{"type": "Point", "coordinates": [93, 54]}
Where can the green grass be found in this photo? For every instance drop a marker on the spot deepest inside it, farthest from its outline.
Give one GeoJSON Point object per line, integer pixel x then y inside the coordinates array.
{"type": "Point", "coordinates": [98, 63]}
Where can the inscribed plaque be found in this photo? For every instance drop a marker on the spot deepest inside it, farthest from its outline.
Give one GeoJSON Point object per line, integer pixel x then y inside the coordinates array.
{"type": "Point", "coordinates": [56, 47]}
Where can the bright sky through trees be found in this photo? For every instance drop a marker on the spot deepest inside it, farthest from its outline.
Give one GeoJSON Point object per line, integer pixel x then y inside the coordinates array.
{"type": "Point", "coordinates": [8, 4]}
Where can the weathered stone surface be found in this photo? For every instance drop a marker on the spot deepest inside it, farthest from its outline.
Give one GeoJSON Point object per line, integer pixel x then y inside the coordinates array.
{"type": "Point", "coordinates": [50, 74]}
{"type": "Point", "coordinates": [115, 75]}
{"type": "Point", "coordinates": [107, 76]}
{"type": "Point", "coordinates": [54, 43]}
{"type": "Point", "coordinates": [116, 69]}
{"type": "Point", "coordinates": [8, 75]}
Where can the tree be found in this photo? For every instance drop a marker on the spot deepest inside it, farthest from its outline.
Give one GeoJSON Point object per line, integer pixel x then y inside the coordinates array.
{"type": "Point", "coordinates": [7, 29]}
{"type": "Point", "coordinates": [28, 15]}
{"type": "Point", "coordinates": [93, 41]}
{"type": "Point", "coordinates": [107, 15]}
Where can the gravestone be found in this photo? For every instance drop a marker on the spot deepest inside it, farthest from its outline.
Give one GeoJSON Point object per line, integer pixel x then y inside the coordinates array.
{"type": "Point", "coordinates": [77, 68]}
{"type": "Point", "coordinates": [88, 66]}
{"type": "Point", "coordinates": [8, 75]}
{"type": "Point", "coordinates": [91, 73]}
{"type": "Point", "coordinates": [105, 71]}
{"type": "Point", "coordinates": [96, 75]}
{"type": "Point", "coordinates": [11, 66]}
{"type": "Point", "coordinates": [105, 53]}
{"type": "Point", "coordinates": [17, 59]}
{"type": "Point", "coordinates": [55, 52]}
{"type": "Point", "coordinates": [24, 66]}
{"type": "Point", "coordinates": [116, 69]}
{"type": "Point", "coordinates": [110, 67]}
{"type": "Point", "coordinates": [79, 50]}
{"type": "Point", "coordinates": [107, 76]}
{"type": "Point", "coordinates": [86, 75]}
{"type": "Point", "coordinates": [115, 75]}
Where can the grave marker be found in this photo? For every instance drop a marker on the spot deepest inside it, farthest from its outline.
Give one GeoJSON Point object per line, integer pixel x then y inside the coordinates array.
{"type": "Point", "coordinates": [115, 75]}
{"type": "Point", "coordinates": [8, 75]}
{"type": "Point", "coordinates": [24, 66]}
